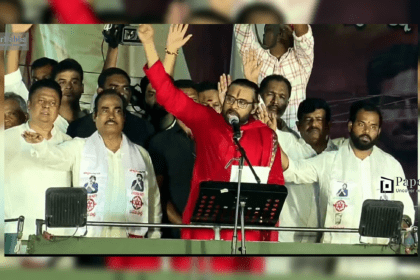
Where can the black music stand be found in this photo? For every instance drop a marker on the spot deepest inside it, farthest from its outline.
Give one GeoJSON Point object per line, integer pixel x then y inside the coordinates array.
{"type": "Point", "coordinates": [261, 204]}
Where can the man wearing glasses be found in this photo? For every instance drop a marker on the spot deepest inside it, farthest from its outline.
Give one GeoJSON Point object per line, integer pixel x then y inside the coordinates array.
{"type": "Point", "coordinates": [217, 154]}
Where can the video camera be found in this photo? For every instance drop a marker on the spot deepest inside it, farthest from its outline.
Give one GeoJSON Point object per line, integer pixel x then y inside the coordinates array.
{"type": "Point", "coordinates": [121, 34]}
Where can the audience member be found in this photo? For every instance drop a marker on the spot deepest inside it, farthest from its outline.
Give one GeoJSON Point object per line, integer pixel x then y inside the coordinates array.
{"type": "Point", "coordinates": [115, 162]}
{"type": "Point", "coordinates": [42, 68]}
{"type": "Point", "coordinates": [135, 128]}
{"type": "Point", "coordinates": [15, 110]}
{"type": "Point", "coordinates": [208, 95]}
{"type": "Point", "coordinates": [173, 155]}
{"type": "Point", "coordinates": [355, 166]}
{"type": "Point", "coordinates": [305, 206]}
{"type": "Point", "coordinates": [287, 50]}
{"type": "Point", "coordinates": [25, 179]}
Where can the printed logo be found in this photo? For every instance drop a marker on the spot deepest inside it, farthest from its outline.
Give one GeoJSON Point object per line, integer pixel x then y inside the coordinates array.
{"type": "Point", "coordinates": [340, 205]}
{"type": "Point", "coordinates": [387, 185]}
{"type": "Point", "coordinates": [90, 204]}
{"type": "Point", "coordinates": [137, 202]}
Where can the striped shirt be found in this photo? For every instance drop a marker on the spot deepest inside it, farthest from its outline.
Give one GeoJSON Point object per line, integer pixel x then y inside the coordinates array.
{"type": "Point", "coordinates": [296, 65]}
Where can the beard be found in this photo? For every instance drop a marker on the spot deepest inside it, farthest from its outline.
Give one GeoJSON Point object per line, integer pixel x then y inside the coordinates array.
{"type": "Point", "coordinates": [230, 112]}
{"type": "Point", "coordinates": [361, 144]}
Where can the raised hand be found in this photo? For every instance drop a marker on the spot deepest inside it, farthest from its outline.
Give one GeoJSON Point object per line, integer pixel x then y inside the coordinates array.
{"type": "Point", "coordinates": [222, 86]}
{"type": "Point", "coordinates": [21, 28]}
{"type": "Point", "coordinates": [176, 37]}
{"type": "Point", "coordinates": [251, 65]}
{"type": "Point", "coordinates": [270, 119]}
{"type": "Point", "coordinates": [146, 33]}
{"type": "Point", "coordinates": [32, 137]}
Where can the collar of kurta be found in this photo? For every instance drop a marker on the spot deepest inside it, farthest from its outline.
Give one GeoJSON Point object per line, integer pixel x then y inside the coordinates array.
{"type": "Point", "coordinates": [53, 130]}
{"type": "Point", "coordinates": [351, 152]}
{"type": "Point", "coordinates": [330, 145]}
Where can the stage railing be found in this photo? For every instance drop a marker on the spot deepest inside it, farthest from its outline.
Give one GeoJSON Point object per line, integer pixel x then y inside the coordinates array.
{"type": "Point", "coordinates": [131, 246]}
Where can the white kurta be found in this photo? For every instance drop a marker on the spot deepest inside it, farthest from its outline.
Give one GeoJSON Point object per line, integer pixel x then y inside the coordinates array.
{"type": "Point", "coordinates": [303, 206]}
{"type": "Point", "coordinates": [26, 181]}
{"type": "Point", "coordinates": [13, 83]}
{"type": "Point", "coordinates": [69, 155]}
{"type": "Point", "coordinates": [363, 179]}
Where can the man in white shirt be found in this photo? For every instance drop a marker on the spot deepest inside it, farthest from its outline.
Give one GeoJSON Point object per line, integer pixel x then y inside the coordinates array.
{"type": "Point", "coordinates": [40, 69]}
{"type": "Point", "coordinates": [303, 206]}
{"type": "Point", "coordinates": [361, 166]}
{"type": "Point", "coordinates": [115, 162]}
{"type": "Point", "coordinates": [289, 52]}
{"type": "Point", "coordinates": [25, 179]}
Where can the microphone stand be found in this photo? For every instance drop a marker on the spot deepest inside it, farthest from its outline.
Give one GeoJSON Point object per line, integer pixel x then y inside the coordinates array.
{"type": "Point", "coordinates": [241, 201]}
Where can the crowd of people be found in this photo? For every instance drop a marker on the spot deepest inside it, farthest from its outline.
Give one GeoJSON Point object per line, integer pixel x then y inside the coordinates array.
{"type": "Point", "coordinates": [148, 168]}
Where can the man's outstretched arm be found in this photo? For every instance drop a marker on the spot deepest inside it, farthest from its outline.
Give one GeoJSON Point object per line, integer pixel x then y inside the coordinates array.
{"type": "Point", "coordinates": [59, 157]}
{"type": "Point", "coordinates": [171, 98]}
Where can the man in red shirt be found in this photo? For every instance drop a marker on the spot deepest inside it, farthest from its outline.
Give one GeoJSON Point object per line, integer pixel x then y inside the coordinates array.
{"type": "Point", "coordinates": [215, 149]}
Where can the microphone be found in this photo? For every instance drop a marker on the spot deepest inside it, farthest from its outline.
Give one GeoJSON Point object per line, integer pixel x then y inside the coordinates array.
{"type": "Point", "coordinates": [234, 122]}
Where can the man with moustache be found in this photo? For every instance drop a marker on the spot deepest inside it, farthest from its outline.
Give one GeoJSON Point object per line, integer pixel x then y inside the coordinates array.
{"type": "Point", "coordinates": [216, 150]}
{"type": "Point", "coordinates": [289, 52]}
{"type": "Point", "coordinates": [135, 128]}
{"type": "Point", "coordinates": [115, 162]}
{"type": "Point", "coordinates": [275, 92]}
{"type": "Point", "coordinates": [359, 164]}
{"type": "Point", "coordinates": [304, 207]}
{"type": "Point", "coordinates": [25, 179]}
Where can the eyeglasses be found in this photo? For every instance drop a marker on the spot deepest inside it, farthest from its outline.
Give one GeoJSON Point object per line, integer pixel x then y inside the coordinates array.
{"type": "Point", "coordinates": [242, 103]}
